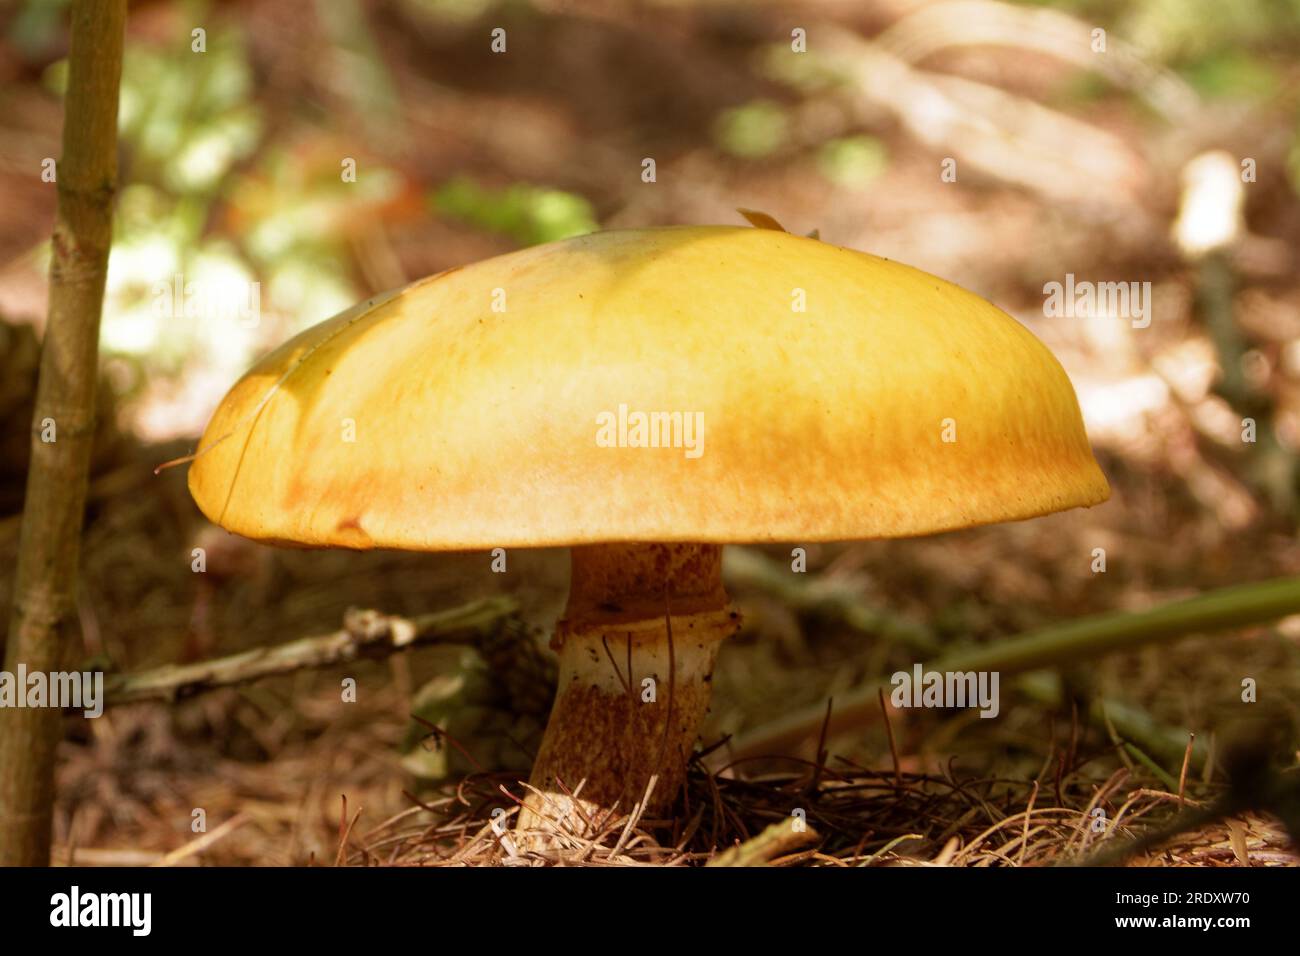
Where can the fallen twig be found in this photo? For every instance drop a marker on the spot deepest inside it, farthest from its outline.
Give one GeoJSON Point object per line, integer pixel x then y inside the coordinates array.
{"type": "Point", "coordinates": [365, 634]}
{"type": "Point", "coordinates": [201, 843]}
{"type": "Point", "coordinates": [777, 840]}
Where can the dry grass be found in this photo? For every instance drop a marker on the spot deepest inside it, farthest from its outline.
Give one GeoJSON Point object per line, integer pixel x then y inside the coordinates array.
{"type": "Point", "coordinates": [853, 817]}
{"type": "Point", "coordinates": [331, 793]}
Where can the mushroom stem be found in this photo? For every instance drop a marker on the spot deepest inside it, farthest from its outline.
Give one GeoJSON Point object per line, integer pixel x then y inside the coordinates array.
{"type": "Point", "coordinates": [637, 644]}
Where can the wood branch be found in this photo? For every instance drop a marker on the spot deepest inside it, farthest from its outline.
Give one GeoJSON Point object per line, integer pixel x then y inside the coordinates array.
{"type": "Point", "coordinates": [365, 634]}
{"type": "Point", "coordinates": [42, 624]}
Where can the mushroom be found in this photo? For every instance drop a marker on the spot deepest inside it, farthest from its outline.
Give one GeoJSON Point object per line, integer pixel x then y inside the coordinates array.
{"type": "Point", "coordinates": [644, 397]}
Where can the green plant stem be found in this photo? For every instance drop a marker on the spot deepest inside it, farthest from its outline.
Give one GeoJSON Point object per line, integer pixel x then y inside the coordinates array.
{"type": "Point", "coordinates": [1072, 642]}
{"type": "Point", "coordinates": [1132, 723]}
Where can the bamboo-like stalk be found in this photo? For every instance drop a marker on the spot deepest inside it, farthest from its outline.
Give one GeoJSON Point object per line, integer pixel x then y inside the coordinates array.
{"type": "Point", "coordinates": [41, 626]}
{"type": "Point", "coordinates": [1072, 642]}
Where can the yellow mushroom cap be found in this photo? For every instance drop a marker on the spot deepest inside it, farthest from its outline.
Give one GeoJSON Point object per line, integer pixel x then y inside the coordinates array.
{"type": "Point", "coordinates": [797, 391]}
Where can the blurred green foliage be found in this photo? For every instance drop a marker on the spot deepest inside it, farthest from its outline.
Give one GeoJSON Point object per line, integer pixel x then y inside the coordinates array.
{"type": "Point", "coordinates": [451, 12]}
{"type": "Point", "coordinates": [1234, 73]}
{"type": "Point", "coordinates": [186, 120]}
{"type": "Point", "coordinates": [213, 199]}
{"type": "Point", "coordinates": [38, 26]}
{"type": "Point", "coordinates": [853, 161]}
{"type": "Point", "coordinates": [752, 131]}
{"type": "Point", "coordinates": [1184, 31]}
{"type": "Point", "coordinates": [357, 65]}
{"type": "Point", "coordinates": [189, 117]}
{"type": "Point", "coordinates": [528, 214]}
{"type": "Point", "coordinates": [1293, 164]}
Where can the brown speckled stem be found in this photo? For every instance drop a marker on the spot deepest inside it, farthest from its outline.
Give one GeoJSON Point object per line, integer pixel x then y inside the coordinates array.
{"type": "Point", "coordinates": [637, 645]}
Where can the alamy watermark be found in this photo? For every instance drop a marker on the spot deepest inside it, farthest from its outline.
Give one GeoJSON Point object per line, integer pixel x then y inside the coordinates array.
{"type": "Point", "coordinates": [946, 689]}
{"type": "Point", "coordinates": [75, 908]}
{"type": "Point", "coordinates": [65, 690]}
{"type": "Point", "coordinates": [1086, 300]}
{"type": "Point", "coordinates": [224, 300]}
{"type": "Point", "coordinates": [627, 429]}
